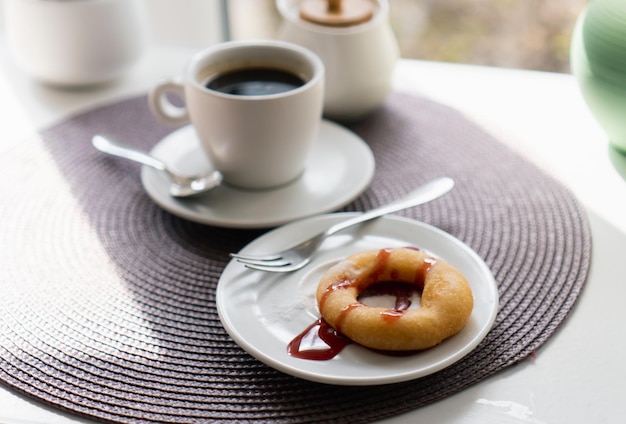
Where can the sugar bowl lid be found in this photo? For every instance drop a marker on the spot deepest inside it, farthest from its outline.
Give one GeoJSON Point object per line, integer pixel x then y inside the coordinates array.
{"type": "Point", "coordinates": [337, 13]}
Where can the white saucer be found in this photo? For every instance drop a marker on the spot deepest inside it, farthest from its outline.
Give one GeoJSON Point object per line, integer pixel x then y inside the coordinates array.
{"type": "Point", "coordinates": [263, 311]}
{"type": "Point", "coordinates": [340, 167]}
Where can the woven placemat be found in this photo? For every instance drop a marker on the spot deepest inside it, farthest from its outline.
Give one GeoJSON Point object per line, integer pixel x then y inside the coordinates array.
{"type": "Point", "coordinates": [108, 302]}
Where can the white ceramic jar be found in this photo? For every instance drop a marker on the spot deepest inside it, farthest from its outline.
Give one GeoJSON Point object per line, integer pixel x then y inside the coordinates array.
{"type": "Point", "coordinates": [74, 42]}
{"type": "Point", "coordinates": [359, 59]}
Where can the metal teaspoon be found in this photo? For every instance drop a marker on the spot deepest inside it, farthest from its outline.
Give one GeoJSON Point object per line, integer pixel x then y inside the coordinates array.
{"type": "Point", "coordinates": [181, 186]}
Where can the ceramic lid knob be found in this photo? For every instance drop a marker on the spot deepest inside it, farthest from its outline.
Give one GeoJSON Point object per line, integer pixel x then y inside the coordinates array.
{"type": "Point", "coordinates": [337, 12]}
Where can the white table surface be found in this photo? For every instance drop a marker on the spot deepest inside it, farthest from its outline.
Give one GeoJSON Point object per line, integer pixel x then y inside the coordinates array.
{"type": "Point", "coordinates": [579, 375]}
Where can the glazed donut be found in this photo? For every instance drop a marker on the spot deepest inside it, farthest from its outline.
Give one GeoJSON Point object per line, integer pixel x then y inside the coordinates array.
{"type": "Point", "coordinates": [446, 299]}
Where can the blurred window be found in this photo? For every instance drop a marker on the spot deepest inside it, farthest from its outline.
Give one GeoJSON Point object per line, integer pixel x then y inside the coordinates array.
{"type": "Point", "coordinates": [526, 34]}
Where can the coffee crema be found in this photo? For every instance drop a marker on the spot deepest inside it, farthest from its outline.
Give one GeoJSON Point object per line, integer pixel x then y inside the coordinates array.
{"type": "Point", "coordinates": [255, 82]}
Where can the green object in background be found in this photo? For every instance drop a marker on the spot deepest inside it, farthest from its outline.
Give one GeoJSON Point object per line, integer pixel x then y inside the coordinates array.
{"type": "Point", "coordinates": [598, 60]}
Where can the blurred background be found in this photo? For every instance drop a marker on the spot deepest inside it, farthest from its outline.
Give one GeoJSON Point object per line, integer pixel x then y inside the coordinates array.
{"type": "Point", "coordinates": [524, 34]}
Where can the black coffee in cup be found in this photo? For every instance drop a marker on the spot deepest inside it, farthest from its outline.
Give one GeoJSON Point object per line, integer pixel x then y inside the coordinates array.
{"type": "Point", "coordinates": [255, 82]}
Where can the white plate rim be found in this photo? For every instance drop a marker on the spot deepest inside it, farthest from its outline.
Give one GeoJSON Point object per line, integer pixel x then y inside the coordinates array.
{"type": "Point", "coordinates": [334, 139]}
{"type": "Point", "coordinates": [301, 368]}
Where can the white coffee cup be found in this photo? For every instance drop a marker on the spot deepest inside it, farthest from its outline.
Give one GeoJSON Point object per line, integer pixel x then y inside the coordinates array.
{"type": "Point", "coordinates": [256, 141]}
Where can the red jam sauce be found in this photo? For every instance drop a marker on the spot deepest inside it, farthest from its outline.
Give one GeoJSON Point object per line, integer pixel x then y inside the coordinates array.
{"type": "Point", "coordinates": [322, 342]}
{"type": "Point", "coordinates": [319, 342]}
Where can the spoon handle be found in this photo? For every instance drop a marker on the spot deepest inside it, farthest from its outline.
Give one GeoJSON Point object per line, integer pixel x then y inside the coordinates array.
{"type": "Point", "coordinates": [107, 146]}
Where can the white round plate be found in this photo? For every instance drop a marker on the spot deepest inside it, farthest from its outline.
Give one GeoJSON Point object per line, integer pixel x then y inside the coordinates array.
{"type": "Point", "coordinates": [340, 167]}
{"type": "Point", "coordinates": [263, 312]}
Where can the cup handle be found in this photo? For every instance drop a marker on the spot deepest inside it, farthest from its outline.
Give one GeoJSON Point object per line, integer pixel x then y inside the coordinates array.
{"type": "Point", "coordinates": [163, 108]}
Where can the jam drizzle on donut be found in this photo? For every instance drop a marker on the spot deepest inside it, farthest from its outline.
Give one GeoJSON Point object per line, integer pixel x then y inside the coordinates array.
{"type": "Point", "coordinates": [343, 284]}
{"type": "Point", "coordinates": [401, 291]}
{"type": "Point", "coordinates": [420, 275]}
{"type": "Point", "coordinates": [344, 312]}
{"type": "Point", "coordinates": [382, 261]}
{"type": "Point", "coordinates": [320, 341]}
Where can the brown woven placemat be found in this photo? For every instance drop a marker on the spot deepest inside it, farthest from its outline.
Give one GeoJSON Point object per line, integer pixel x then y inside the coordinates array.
{"type": "Point", "coordinates": [108, 302]}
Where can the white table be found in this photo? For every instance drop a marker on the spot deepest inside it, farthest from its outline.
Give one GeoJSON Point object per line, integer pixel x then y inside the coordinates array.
{"type": "Point", "coordinates": [579, 376]}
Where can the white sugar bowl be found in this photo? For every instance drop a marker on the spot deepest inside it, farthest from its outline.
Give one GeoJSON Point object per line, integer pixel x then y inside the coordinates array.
{"type": "Point", "coordinates": [359, 54]}
{"type": "Point", "coordinates": [75, 42]}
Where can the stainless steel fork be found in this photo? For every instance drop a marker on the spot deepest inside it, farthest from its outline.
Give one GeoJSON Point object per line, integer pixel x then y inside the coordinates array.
{"type": "Point", "coordinates": [298, 256]}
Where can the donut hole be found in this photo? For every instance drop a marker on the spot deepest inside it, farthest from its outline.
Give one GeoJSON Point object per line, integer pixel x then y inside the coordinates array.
{"type": "Point", "coordinates": [396, 295]}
